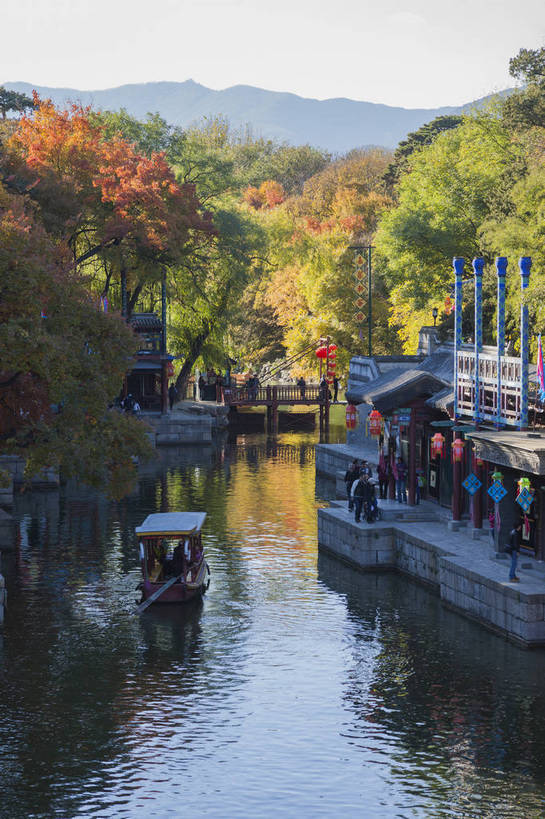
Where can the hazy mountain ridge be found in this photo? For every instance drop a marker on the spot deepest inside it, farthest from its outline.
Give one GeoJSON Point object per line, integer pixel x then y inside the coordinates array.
{"type": "Point", "coordinates": [335, 124]}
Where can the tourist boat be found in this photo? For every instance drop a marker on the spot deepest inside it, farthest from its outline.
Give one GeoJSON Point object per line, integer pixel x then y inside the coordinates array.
{"type": "Point", "coordinates": [172, 558]}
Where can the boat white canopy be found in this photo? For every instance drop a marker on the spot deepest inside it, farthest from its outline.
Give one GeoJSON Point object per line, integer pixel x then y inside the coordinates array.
{"type": "Point", "coordinates": [163, 524]}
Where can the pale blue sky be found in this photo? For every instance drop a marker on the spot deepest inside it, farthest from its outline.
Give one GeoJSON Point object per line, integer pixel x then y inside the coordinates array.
{"type": "Point", "coordinates": [421, 53]}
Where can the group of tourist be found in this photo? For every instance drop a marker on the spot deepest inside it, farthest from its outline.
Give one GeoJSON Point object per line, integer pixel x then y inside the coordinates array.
{"type": "Point", "coordinates": [360, 488]}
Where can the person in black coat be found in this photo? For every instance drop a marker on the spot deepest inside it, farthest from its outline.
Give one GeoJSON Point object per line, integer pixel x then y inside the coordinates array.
{"type": "Point", "coordinates": [351, 474]}
{"type": "Point", "coordinates": [363, 494]}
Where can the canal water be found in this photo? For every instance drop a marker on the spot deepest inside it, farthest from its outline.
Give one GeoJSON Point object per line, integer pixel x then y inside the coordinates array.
{"type": "Point", "coordinates": [297, 688]}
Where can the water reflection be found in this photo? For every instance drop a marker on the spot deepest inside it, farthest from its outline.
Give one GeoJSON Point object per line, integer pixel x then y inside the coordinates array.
{"type": "Point", "coordinates": [296, 687]}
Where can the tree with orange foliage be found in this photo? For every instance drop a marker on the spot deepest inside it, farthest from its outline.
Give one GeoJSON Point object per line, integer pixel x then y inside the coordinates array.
{"type": "Point", "coordinates": [269, 195]}
{"type": "Point", "coordinates": [62, 362]}
{"type": "Point", "coordinates": [111, 204]}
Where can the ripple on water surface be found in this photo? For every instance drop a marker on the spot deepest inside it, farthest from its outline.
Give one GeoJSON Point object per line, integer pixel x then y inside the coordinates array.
{"type": "Point", "coordinates": [297, 687]}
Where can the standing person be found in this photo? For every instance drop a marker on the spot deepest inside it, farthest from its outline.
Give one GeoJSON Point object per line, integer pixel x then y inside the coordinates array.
{"type": "Point", "coordinates": [401, 480]}
{"type": "Point", "coordinates": [420, 484]}
{"type": "Point", "coordinates": [383, 476]}
{"type": "Point", "coordinates": [335, 389]}
{"type": "Point", "coordinates": [302, 384]}
{"type": "Point", "coordinates": [492, 526]}
{"type": "Point", "coordinates": [351, 474]}
{"type": "Point", "coordinates": [513, 549]}
{"type": "Point", "coordinates": [172, 395]}
{"type": "Point", "coordinates": [361, 494]}
{"type": "Point", "coordinates": [324, 389]}
{"type": "Point", "coordinates": [202, 385]}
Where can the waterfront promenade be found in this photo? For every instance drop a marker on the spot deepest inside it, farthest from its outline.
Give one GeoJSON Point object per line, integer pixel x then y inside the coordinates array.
{"type": "Point", "coordinates": [467, 573]}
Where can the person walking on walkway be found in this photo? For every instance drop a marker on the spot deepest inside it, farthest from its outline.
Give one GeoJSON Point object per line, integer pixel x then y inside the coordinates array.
{"type": "Point", "coordinates": [401, 480]}
{"type": "Point", "coordinates": [383, 476]}
{"type": "Point", "coordinates": [351, 475]}
{"type": "Point", "coordinates": [335, 389]}
{"type": "Point", "coordinates": [361, 491]}
{"type": "Point", "coordinates": [172, 395]}
{"type": "Point", "coordinates": [513, 549]}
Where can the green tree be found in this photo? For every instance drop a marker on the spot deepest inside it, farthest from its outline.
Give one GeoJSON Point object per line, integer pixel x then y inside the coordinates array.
{"type": "Point", "coordinates": [13, 101]}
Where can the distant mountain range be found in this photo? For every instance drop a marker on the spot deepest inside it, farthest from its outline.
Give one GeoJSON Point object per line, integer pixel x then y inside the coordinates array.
{"type": "Point", "coordinates": [337, 125]}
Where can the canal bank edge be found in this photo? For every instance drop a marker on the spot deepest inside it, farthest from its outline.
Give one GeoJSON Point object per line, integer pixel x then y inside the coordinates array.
{"type": "Point", "coordinates": [471, 583]}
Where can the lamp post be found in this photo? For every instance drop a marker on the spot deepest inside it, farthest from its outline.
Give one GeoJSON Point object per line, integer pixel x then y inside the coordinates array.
{"type": "Point", "coordinates": [435, 313]}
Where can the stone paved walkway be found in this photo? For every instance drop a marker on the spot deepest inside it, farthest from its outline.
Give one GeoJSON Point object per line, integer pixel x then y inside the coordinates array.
{"type": "Point", "coordinates": [476, 555]}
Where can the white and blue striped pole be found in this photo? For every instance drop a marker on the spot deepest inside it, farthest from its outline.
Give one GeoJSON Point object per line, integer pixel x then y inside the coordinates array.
{"type": "Point", "coordinates": [458, 265]}
{"type": "Point", "coordinates": [501, 270]}
{"type": "Point", "coordinates": [478, 265]}
{"type": "Point", "coordinates": [525, 264]}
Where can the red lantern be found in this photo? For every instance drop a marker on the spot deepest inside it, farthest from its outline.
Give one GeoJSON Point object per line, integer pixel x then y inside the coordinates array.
{"type": "Point", "coordinates": [437, 445]}
{"type": "Point", "coordinates": [449, 305]}
{"type": "Point", "coordinates": [332, 348]}
{"type": "Point", "coordinates": [321, 352]}
{"type": "Point", "coordinates": [457, 450]}
{"type": "Point", "coordinates": [351, 416]}
{"type": "Point", "coordinates": [375, 423]}
{"type": "Point", "coordinates": [170, 370]}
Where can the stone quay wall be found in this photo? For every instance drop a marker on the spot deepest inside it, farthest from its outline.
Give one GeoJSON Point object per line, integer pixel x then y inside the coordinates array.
{"type": "Point", "coordinates": [467, 579]}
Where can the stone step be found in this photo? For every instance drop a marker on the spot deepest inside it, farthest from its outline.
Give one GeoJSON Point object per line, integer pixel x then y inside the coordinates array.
{"type": "Point", "coordinates": [393, 511]}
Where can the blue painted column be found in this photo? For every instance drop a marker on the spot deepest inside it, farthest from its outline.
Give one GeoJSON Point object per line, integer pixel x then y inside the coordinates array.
{"type": "Point", "coordinates": [458, 265]}
{"type": "Point", "coordinates": [478, 265]}
{"type": "Point", "coordinates": [501, 270]}
{"type": "Point", "coordinates": [525, 263]}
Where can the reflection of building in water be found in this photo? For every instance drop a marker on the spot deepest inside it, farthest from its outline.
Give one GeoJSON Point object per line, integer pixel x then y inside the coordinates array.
{"type": "Point", "coordinates": [457, 699]}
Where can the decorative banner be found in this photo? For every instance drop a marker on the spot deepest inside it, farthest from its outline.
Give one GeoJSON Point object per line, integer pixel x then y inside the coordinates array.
{"type": "Point", "coordinates": [472, 484]}
{"type": "Point", "coordinates": [497, 492]}
{"type": "Point", "coordinates": [525, 500]}
{"type": "Point", "coordinates": [359, 287]}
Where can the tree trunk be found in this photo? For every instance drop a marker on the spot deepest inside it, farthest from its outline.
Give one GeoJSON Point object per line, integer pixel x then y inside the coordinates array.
{"type": "Point", "coordinates": [192, 356]}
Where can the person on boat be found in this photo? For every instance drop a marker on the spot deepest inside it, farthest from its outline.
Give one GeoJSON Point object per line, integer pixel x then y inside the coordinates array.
{"type": "Point", "coordinates": [178, 560]}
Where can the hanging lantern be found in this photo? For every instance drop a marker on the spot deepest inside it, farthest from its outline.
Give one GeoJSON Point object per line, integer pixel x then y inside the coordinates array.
{"type": "Point", "coordinates": [479, 462]}
{"type": "Point", "coordinates": [497, 477]}
{"type": "Point", "coordinates": [437, 445]}
{"type": "Point", "coordinates": [523, 483]}
{"type": "Point", "coordinates": [351, 416]}
{"type": "Point", "coordinates": [332, 348]}
{"type": "Point", "coordinates": [375, 423]}
{"type": "Point", "coordinates": [321, 352]}
{"type": "Point", "coordinates": [457, 450]}
{"type": "Point", "coordinates": [170, 370]}
{"type": "Point", "coordinates": [449, 305]}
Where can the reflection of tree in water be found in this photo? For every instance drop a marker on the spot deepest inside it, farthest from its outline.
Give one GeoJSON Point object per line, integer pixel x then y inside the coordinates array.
{"type": "Point", "coordinates": [82, 676]}
{"type": "Point", "coordinates": [466, 708]}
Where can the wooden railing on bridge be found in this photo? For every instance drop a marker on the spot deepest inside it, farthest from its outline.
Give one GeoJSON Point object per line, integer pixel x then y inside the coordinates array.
{"type": "Point", "coordinates": [273, 394]}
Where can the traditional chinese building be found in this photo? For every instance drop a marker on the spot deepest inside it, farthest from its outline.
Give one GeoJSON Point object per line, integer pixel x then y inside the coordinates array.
{"type": "Point", "coordinates": [147, 382]}
{"type": "Point", "coordinates": [480, 404]}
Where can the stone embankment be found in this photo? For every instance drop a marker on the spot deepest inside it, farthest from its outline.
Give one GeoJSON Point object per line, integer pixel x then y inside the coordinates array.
{"type": "Point", "coordinates": [189, 422]}
{"type": "Point", "coordinates": [468, 575]}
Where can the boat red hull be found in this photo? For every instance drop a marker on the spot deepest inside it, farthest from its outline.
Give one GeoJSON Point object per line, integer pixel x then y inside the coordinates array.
{"type": "Point", "coordinates": [178, 593]}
